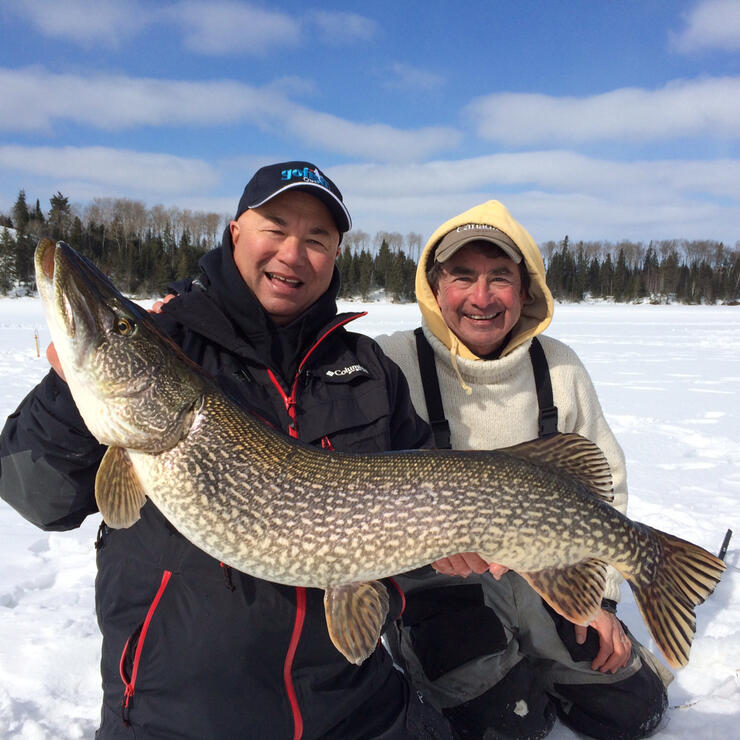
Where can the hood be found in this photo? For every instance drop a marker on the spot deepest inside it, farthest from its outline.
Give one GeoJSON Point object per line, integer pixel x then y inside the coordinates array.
{"type": "Point", "coordinates": [536, 313]}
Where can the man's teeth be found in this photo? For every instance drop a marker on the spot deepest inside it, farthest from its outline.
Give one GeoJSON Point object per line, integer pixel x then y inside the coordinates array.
{"type": "Point", "coordinates": [283, 279]}
{"type": "Point", "coordinates": [481, 317]}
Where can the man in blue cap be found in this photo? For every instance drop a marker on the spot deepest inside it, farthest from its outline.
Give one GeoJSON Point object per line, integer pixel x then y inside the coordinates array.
{"type": "Point", "coordinates": [192, 648]}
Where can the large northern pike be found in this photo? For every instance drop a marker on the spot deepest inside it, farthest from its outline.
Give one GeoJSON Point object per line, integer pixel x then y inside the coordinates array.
{"type": "Point", "coordinates": [287, 512]}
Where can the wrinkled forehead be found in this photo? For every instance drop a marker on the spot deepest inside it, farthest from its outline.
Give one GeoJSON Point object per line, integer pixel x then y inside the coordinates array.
{"type": "Point", "coordinates": [480, 256]}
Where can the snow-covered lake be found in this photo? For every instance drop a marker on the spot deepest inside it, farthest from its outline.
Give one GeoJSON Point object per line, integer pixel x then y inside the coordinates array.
{"type": "Point", "coordinates": [669, 381]}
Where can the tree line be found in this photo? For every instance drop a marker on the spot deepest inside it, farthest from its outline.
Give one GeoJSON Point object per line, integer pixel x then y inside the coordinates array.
{"type": "Point", "coordinates": [699, 271]}
{"type": "Point", "coordinates": [143, 249]}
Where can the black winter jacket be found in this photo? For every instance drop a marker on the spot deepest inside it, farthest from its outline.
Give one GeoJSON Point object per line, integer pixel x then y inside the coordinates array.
{"type": "Point", "coordinates": [191, 648]}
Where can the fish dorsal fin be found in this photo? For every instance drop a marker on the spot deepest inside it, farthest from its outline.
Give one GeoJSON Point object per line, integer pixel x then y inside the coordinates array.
{"type": "Point", "coordinates": [572, 454]}
{"type": "Point", "coordinates": [574, 591]}
{"type": "Point", "coordinates": [117, 489]}
{"type": "Point", "coordinates": [355, 615]}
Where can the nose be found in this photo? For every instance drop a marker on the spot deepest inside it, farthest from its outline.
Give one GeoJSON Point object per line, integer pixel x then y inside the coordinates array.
{"type": "Point", "coordinates": [482, 292]}
{"type": "Point", "coordinates": [292, 251]}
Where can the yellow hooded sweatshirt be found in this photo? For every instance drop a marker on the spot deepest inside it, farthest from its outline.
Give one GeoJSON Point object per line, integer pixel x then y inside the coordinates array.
{"type": "Point", "coordinates": [536, 313]}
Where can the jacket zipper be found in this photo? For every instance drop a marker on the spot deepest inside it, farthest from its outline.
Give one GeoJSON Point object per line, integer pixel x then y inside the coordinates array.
{"type": "Point", "coordinates": [130, 682]}
{"type": "Point", "coordinates": [300, 617]}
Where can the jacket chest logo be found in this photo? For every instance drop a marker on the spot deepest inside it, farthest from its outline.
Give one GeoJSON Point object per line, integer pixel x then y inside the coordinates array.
{"type": "Point", "coordinates": [349, 370]}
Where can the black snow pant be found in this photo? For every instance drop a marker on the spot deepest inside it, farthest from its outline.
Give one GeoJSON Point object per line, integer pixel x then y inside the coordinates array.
{"type": "Point", "coordinates": [510, 673]}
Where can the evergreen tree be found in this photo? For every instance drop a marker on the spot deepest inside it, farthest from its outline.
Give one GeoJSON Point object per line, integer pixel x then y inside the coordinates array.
{"type": "Point", "coordinates": [580, 283]}
{"type": "Point", "coordinates": [348, 272]}
{"type": "Point", "coordinates": [365, 274]}
{"type": "Point", "coordinates": [384, 264]}
{"type": "Point", "coordinates": [606, 277]}
{"type": "Point", "coordinates": [395, 276]}
{"type": "Point", "coordinates": [651, 272]}
{"type": "Point", "coordinates": [20, 213]}
{"type": "Point", "coordinates": [593, 284]}
{"type": "Point", "coordinates": [670, 270]}
{"type": "Point", "coordinates": [60, 216]}
{"type": "Point", "coordinates": [621, 277]}
{"type": "Point", "coordinates": [24, 268]}
{"type": "Point", "coordinates": [7, 261]}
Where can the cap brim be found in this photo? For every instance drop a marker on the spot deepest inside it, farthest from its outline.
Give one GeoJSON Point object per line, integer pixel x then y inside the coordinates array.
{"type": "Point", "coordinates": [336, 207]}
{"type": "Point", "coordinates": [513, 253]}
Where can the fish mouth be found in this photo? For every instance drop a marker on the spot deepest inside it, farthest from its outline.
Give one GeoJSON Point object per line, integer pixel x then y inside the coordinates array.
{"type": "Point", "coordinates": [45, 259]}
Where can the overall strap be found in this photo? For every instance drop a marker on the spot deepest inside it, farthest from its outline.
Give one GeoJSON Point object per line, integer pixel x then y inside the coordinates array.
{"type": "Point", "coordinates": [548, 412]}
{"type": "Point", "coordinates": [548, 418]}
{"type": "Point", "coordinates": [432, 395]}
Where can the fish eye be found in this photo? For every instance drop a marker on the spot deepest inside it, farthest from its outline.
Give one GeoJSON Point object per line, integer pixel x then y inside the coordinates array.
{"type": "Point", "coordinates": [123, 326]}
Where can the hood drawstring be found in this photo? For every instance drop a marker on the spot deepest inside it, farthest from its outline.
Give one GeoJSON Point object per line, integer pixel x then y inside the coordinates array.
{"type": "Point", "coordinates": [453, 360]}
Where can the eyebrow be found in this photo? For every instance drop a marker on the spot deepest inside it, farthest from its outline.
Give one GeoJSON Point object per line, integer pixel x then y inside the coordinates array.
{"type": "Point", "coordinates": [466, 271]}
{"type": "Point", "coordinates": [318, 230]}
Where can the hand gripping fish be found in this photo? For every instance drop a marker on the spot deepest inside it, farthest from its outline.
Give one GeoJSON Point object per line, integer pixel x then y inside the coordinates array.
{"type": "Point", "coordinates": [287, 512]}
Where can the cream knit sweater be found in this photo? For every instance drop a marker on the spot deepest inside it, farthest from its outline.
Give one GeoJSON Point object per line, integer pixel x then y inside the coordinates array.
{"type": "Point", "coordinates": [501, 409]}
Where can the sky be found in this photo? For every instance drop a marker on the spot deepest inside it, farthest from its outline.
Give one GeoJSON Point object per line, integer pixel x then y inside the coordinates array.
{"type": "Point", "coordinates": [599, 119]}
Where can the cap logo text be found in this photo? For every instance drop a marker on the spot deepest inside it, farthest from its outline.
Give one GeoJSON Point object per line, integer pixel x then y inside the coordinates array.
{"type": "Point", "coordinates": [306, 174]}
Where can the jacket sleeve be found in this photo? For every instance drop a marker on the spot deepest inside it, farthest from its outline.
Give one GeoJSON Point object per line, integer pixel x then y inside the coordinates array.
{"type": "Point", "coordinates": [48, 458]}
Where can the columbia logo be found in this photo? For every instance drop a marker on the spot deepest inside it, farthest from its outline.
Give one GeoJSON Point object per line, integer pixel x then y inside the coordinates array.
{"type": "Point", "coordinates": [347, 371]}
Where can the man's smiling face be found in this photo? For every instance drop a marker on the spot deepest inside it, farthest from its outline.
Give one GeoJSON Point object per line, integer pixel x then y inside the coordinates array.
{"type": "Point", "coordinates": [480, 296]}
{"type": "Point", "coordinates": [285, 252]}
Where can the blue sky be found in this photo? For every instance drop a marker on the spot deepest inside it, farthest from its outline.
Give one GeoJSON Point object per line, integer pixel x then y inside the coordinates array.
{"type": "Point", "coordinates": [600, 119]}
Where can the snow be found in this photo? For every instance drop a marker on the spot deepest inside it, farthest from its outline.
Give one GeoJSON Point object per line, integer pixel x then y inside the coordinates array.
{"type": "Point", "coordinates": [669, 380]}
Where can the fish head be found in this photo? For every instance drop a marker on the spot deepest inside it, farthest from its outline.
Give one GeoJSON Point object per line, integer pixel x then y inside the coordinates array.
{"type": "Point", "coordinates": [132, 385]}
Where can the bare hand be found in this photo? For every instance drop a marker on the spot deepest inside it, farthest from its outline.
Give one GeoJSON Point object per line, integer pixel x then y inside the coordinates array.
{"type": "Point", "coordinates": [461, 565]}
{"type": "Point", "coordinates": [157, 307]}
{"type": "Point", "coordinates": [53, 358]}
{"type": "Point", "coordinates": [615, 647]}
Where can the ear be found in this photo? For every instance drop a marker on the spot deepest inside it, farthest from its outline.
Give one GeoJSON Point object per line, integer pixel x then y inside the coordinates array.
{"type": "Point", "coordinates": [234, 228]}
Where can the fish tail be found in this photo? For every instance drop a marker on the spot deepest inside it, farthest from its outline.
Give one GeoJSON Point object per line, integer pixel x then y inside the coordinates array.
{"type": "Point", "coordinates": [684, 576]}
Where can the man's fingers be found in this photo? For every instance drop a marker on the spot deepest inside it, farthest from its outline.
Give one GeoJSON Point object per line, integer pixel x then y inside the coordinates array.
{"type": "Point", "coordinates": [475, 562]}
{"type": "Point", "coordinates": [615, 647]}
{"type": "Point", "coordinates": [157, 305]}
{"type": "Point", "coordinates": [581, 633]}
{"type": "Point", "coordinates": [497, 570]}
{"type": "Point", "coordinates": [447, 567]}
{"type": "Point", "coordinates": [53, 358]}
{"type": "Point", "coordinates": [462, 564]}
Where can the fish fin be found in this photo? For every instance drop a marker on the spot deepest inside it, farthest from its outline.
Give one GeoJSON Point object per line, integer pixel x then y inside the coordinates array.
{"type": "Point", "coordinates": [355, 615]}
{"type": "Point", "coordinates": [117, 489]}
{"type": "Point", "coordinates": [574, 592]}
{"type": "Point", "coordinates": [572, 454]}
{"type": "Point", "coordinates": [686, 575]}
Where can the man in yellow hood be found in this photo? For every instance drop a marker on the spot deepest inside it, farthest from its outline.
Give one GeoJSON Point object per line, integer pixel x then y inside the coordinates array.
{"type": "Point", "coordinates": [488, 651]}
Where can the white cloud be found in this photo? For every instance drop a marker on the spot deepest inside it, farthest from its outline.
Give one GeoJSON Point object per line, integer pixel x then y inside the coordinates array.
{"type": "Point", "coordinates": [711, 24]}
{"type": "Point", "coordinates": [406, 77]}
{"type": "Point", "coordinates": [682, 108]}
{"type": "Point", "coordinates": [342, 28]}
{"type": "Point", "coordinates": [34, 98]}
{"type": "Point", "coordinates": [553, 193]}
{"type": "Point", "coordinates": [233, 28]}
{"type": "Point", "coordinates": [87, 22]}
{"type": "Point", "coordinates": [113, 170]}
{"type": "Point", "coordinates": [551, 170]}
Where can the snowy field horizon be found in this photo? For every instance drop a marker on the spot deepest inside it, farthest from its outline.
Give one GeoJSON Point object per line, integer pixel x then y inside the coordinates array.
{"type": "Point", "coordinates": [668, 377]}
